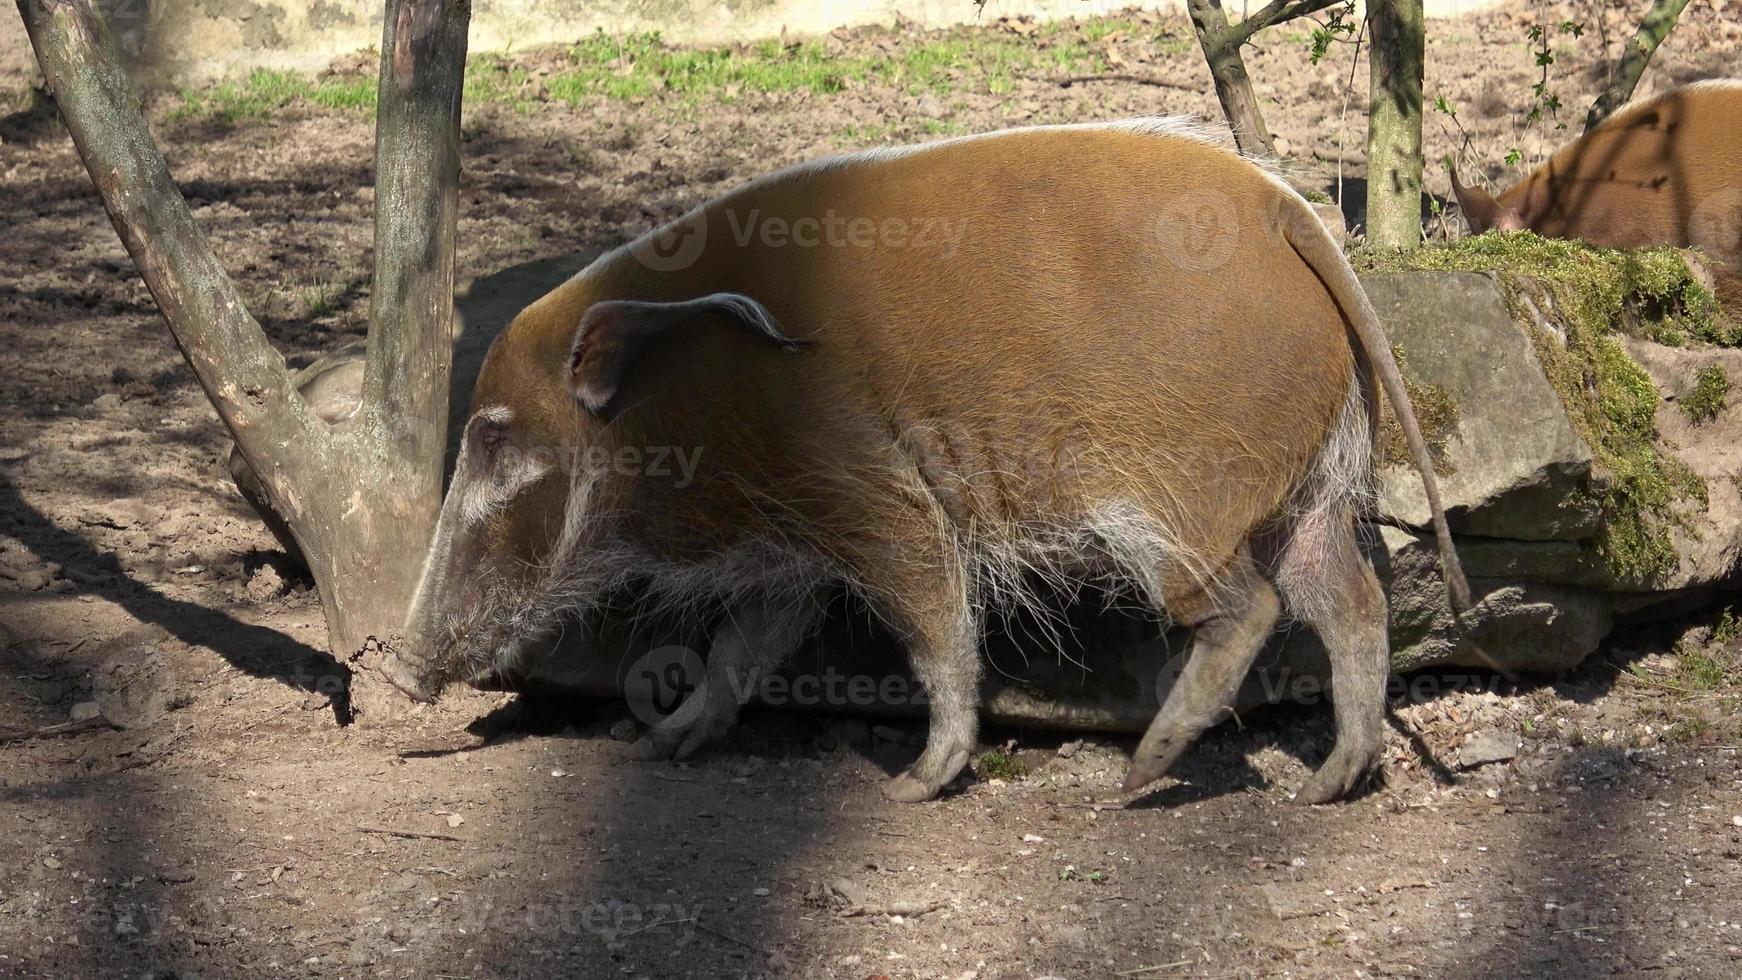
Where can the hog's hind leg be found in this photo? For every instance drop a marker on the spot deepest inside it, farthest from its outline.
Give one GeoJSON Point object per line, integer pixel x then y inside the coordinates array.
{"type": "Point", "coordinates": [1329, 585]}
{"type": "Point", "coordinates": [756, 639]}
{"type": "Point", "coordinates": [1227, 633]}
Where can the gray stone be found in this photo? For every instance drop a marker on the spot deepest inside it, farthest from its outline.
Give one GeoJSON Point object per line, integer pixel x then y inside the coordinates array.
{"type": "Point", "coordinates": [135, 688]}
{"type": "Point", "coordinates": [1709, 546]}
{"type": "Point", "coordinates": [1484, 747]}
{"type": "Point", "coordinates": [1528, 626]}
{"type": "Point", "coordinates": [1513, 460]}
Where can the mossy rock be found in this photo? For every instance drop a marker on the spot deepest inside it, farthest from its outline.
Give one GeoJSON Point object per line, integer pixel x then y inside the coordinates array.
{"type": "Point", "coordinates": [1579, 302]}
{"type": "Point", "coordinates": [1508, 455]}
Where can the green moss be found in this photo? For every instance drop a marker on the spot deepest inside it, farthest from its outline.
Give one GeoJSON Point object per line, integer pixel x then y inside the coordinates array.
{"type": "Point", "coordinates": [1711, 388]}
{"type": "Point", "coordinates": [1590, 294]}
{"type": "Point", "coordinates": [997, 764]}
{"type": "Point", "coordinates": [1648, 292]}
{"type": "Point", "coordinates": [1435, 413]}
{"type": "Point", "coordinates": [1317, 196]}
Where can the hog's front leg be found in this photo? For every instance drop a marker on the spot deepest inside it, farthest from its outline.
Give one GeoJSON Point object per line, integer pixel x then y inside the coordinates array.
{"type": "Point", "coordinates": [755, 640]}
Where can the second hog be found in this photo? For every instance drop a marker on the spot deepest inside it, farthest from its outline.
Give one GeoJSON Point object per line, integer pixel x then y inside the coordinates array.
{"type": "Point", "coordinates": [939, 375]}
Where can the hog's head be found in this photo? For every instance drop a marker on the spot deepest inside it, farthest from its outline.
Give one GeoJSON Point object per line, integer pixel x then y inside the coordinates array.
{"type": "Point", "coordinates": [520, 532]}
{"type": "Point", "coordinates": [1482, 211]}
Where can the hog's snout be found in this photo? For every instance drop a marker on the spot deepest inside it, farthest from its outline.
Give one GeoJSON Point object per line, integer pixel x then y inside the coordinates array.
{"type": "Point", "coordinates": [414, 678]}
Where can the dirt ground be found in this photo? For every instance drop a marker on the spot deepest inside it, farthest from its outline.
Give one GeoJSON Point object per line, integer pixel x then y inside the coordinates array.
{"type": "Point", "coordinates": [1583, 826]}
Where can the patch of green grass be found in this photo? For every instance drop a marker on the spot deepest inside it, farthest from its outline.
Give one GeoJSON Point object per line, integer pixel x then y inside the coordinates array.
{"type": "Point", "coordinates": [1711, 388]}
{"type": "Point", "coordinates": [998, 764]}
{"type": "Point", "coordinates": [264, 90]}
{"type": "Point", "coordinates": [877, 134]}
{"type": "Point", "coordinates": [1699, 670]}
{"type": "Point", "coordinates": [1728, 628]}
{"type": "Point", "coordinates": [867, 134]}
{"type": "Point", "coordinates": [642, 65]}
{"type": "Point", "coordinates": [638, 65]}
{"type": "Point", "coordinates": [317, 300]}
{"type": "Point", "coordinates": [1591, 294]}
{"type": "Point", "coordinates": [494, 78]}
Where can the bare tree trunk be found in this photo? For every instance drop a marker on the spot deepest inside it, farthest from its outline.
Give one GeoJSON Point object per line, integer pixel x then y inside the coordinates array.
{"type": "Point", "coordinates": [1221, 44]}
{"type": "Point", "coordinates": [1630, 66]}
{"type": "Point", "coordinates": [1394, 123]}
{"type": "Point", "coordinates": [360, 497]}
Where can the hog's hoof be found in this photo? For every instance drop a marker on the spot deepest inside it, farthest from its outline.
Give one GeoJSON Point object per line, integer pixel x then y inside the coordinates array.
{"type": "Point", "coordinates": [659, 745]}
{"type": "Point", "coordinates": [1152, 761]}
{"type": "Point", "coordinates": [1140, 776]}
{"type": "Point", "coordinates": [906, 789]}
{"type": "Point", "coordinates": [1342, 774]}
{"type": "Point", "coordinates": [924, 781]}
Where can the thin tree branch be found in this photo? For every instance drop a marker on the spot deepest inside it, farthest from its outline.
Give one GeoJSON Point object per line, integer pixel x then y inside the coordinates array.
{"type": "Point", "coordinates": [241, 373]}
{"type": "Point", "coordinates": [1635, 56]}
{"type": "Point", "coordinates": [1276, 12]}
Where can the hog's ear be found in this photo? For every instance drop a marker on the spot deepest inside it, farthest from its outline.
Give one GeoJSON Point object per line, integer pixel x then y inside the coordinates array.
{"type": "Point", "coordinates": [1480, 209]}
{"type": "Point", "coordinates": [613, 335]}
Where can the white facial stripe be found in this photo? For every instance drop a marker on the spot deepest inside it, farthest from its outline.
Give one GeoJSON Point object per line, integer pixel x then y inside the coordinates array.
{"type": "Point", "coordinates": [481, 495]}
{"type": "Point", "coordinates": [489, 494]}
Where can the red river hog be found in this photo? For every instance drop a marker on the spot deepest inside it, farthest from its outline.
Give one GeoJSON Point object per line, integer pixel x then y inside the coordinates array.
{"type": "Point", "coordinates": [939, 375]}
{"type": "Point", "coordinates": [1666, 170]}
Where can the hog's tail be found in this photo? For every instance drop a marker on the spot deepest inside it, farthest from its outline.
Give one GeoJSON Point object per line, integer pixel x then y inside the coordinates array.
{"type": "Point", "coordinates": [1308, 237]}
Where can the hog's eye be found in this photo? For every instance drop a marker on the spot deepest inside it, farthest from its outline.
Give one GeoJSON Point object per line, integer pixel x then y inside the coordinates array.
{"type": "Point", "coordinates": [491, 435]}
{"type": "Point", "coordinates": [489, 432]}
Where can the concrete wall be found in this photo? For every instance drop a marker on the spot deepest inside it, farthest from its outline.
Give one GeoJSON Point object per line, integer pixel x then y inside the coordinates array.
{"type": "Point", "coordinates": [202, 39]}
